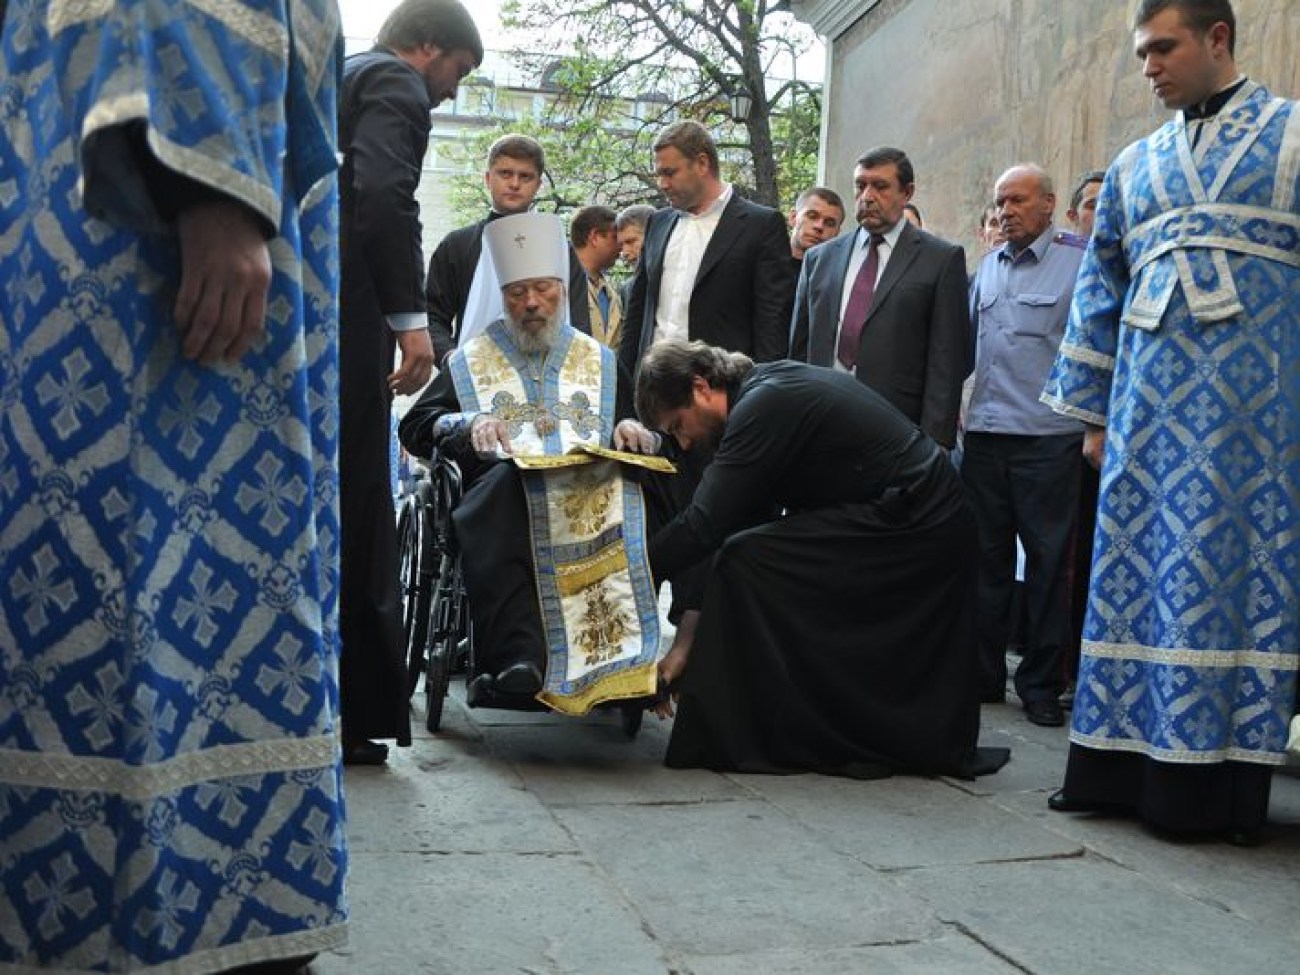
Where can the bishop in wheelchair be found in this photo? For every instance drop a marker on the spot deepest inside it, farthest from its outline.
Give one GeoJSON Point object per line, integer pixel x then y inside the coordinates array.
{"type": "Point", "coordinates": [552, 545]}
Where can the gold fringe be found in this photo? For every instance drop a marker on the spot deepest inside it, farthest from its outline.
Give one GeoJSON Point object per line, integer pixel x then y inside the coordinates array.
{"type": "Point", "coordinates": [637, 682]}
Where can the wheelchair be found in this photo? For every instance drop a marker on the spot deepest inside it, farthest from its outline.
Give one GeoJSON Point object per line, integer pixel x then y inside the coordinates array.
{"type": "Point", "coordinates": [435, 616]}
{"type": "Point", "coordinates": [436, 622]}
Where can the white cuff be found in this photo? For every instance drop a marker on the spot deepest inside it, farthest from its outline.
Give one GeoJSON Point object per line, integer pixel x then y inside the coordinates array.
{"type": "Point", "coordinates": [407, 321]}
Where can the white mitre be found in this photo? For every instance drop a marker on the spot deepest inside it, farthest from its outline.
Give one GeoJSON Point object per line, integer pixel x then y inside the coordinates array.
{"type": "Point", "coordinates": [527, 245]}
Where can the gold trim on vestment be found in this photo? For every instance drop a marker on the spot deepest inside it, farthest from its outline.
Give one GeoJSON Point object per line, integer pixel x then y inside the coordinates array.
{"type": "Point", "coordinates": [573, 577]}
{"type": "Point", "coordinates": [630, 684]}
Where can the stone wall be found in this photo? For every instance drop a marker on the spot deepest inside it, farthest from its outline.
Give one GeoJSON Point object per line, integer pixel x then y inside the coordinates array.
{"type": "Point", "coordinates": [970, 87]}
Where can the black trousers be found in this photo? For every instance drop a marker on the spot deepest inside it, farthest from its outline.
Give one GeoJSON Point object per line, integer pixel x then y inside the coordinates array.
{"type": "Point", "coordinates": [1026, 486]}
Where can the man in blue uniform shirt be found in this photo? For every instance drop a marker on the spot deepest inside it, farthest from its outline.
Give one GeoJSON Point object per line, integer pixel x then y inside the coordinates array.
{"type": "Point", "coordinates": [1021, 463]}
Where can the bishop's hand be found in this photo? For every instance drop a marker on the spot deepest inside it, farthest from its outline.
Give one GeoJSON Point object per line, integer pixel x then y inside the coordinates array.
{"type": "Point", "coordinates": [634, 438]}
{"type": "Point", "coordinates": [489, 437]}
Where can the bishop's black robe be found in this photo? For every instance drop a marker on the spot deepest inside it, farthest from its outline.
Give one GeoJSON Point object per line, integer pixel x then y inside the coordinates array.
{"type": "Point", "coordinates": [383, 132]}
{"type": "Point", "coordinates": [837, 637]}
{"type": "Point", "coordinates": [451, 274]}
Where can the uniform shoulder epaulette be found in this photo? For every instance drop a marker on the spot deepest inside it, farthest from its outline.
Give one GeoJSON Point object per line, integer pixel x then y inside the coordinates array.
{"type": "Point", "coordinates": [1070, 240]}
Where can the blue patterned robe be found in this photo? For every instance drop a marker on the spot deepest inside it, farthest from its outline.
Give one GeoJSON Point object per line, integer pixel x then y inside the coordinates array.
{"type": "Point", "coordinates": [169, 787]}
{"type": "Point", "coordinates": [1184, 341]}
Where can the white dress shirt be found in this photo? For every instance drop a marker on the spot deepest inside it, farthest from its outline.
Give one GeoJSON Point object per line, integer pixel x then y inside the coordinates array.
{"type": "Point", "coordinates": [682, 257]}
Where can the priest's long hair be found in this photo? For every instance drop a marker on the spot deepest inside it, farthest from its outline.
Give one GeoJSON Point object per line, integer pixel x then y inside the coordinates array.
{"type": "Point", "coordinates": [668, 370]}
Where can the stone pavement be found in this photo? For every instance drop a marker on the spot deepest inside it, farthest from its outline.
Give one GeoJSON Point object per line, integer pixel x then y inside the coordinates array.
{"type": "Point", "coordinates": [520, 843]}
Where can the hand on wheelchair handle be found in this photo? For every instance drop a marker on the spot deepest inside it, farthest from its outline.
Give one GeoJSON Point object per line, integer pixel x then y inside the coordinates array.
{"type": "Point", "coordinates": [488, 437]}
{"type": "Point", "coordinates": [631, 436]}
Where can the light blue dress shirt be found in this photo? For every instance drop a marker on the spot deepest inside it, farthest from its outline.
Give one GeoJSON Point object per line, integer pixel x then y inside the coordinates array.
{"type": "Point", "coordinates": [1019, 306]}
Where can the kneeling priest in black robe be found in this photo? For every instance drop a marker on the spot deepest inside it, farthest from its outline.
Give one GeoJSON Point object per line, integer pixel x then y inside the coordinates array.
{"type": "Point", "coordinates": [836, 633]}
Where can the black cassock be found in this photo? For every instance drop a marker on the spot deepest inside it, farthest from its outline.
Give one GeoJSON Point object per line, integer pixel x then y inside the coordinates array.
{"type": "Point", "coordinates": [838, 637]}
{"type": "Point", "coordinates": [383, 132]}
{"type": "Point", "coordinates": [451, 275]}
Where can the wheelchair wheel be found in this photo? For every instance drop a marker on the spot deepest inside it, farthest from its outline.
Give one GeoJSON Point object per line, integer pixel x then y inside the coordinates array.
{"type": "Point", "coordinates": [630, 715]}
{"type": "Point", "coordinates": [419, 559]}
{"type": "Point", "coordinates": [437, 676]}
{"type": "Point", "coordinates": [445, 639]}
{"type": "Point", "coordinates": [410, 538]}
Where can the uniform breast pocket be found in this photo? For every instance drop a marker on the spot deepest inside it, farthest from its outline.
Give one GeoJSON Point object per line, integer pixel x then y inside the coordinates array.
{"type": "Point", "coordinates": [1035, 314]}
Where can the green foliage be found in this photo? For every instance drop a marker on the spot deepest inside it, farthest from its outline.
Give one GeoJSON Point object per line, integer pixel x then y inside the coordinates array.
{"type": "Point", "coordinates": [626, 69]}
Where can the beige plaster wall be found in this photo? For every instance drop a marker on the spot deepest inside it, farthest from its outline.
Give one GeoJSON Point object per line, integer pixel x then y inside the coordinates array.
{"type": "Point", "coordinates": [969, 87]}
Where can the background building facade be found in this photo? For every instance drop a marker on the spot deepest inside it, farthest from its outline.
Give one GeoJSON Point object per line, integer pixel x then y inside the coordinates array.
{"type": "Point", "coordinates": [970, 87]}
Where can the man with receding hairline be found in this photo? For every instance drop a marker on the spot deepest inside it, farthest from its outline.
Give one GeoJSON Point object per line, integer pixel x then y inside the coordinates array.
{"type": "Point", "coordinates": [1181, 358]}
{"type": "Point", "coordinates": [888, 302]}
{"type": "Point", "coordinates": [1021, 460]}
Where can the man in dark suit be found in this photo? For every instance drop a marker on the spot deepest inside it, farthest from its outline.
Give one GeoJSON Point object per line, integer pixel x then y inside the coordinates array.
{"type": "Point", "coordinates": [425, 49]}
{"type": "Point", "coordinates": [889, 302]}
{"type": "Point", "coordinates": [714, 267]}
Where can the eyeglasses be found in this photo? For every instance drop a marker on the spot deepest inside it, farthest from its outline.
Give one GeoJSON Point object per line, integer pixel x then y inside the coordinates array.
{"type": "Point", "coordinates": [542, 287]}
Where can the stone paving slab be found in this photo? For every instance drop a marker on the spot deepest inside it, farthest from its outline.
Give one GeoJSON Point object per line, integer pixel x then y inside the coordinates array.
{"type": "Point", "coordinates": [424, 800]}
{"type": "Point", "coordinates": [1062, 917]}
{"type": "Point", "coordinates": [880, 822]}
{"type": "Point", "coordinates": [716, 878]}
{"type": "Point", "coordinates": [946, 956]}
{"type": "Point", "coordinates": [1260, 885]}
{"type": "Point", "coordinates": [572, 766]}
{"type": "Point", "coordinates": [494, 914]}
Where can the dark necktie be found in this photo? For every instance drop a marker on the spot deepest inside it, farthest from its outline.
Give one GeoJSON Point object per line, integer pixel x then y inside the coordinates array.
{"type": "Point", "coordinates": [855, 312]}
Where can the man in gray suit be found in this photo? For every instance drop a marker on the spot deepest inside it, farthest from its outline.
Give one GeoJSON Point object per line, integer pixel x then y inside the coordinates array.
{"type": "Point", "coordinates": [889, 302]}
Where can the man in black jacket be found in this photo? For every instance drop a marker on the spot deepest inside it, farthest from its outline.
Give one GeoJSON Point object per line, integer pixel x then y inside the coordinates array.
{"type": "Point", "coordinates": [424, 50]}
{"type": "Point", "coordinates": [714, 267]}
{"type": "Point", "coordinates": [461, 291]}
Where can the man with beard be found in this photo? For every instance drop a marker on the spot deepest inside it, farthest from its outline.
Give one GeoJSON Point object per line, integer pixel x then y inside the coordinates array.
{"type": "Point", "coordinates": [531, 385]}
{"type": "Point", "coordinates": [835, 630]}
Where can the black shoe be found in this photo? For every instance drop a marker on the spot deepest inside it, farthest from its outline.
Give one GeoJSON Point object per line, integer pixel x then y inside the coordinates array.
{"type": "Point", "coordinates": [993, 697]}
{"type": "Point", "coordinates": [1046, 713]}
{"type": "Point", "coordinates": [1058, 801]}
{"type": "Point", "coordinates": [478, 692]}
{"type": "Point", "coordinates": [521, 678]}
{"type": "Point", "coordinates": [282, 966]}
{"type": "Point", "coordinates": [364, 752]}
{"type": "Point", "coordinates": [1238, 836]}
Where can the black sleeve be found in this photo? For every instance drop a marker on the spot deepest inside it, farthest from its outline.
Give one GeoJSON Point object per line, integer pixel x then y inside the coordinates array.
{"type": "Point", "coordinates": [629, 343]}
{"type": "Point", "coordinates": [624, 397]}
{"type": "Point", "coordinates": [388, 136]}
{"type": "Point", "coordinates": [801, 316]}
{"type": "Point", "coordinates": [736, 491]}
{"type": "Point", "coordinates": [579, 310]}
{"type": "Point", "coordinates": [773, 278]}
{"type": "Point", "coordinates": [440, 300]}
{"type": "Point", "coordinates": [416, 431]}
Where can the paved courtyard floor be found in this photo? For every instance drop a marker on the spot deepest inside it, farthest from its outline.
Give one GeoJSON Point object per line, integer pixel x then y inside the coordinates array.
{"type": "Point", "coordinates": [518, 843]}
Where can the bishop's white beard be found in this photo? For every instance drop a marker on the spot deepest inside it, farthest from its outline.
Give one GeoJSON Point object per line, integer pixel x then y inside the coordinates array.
{"type": "Point", "coordinates": [534, 343]}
